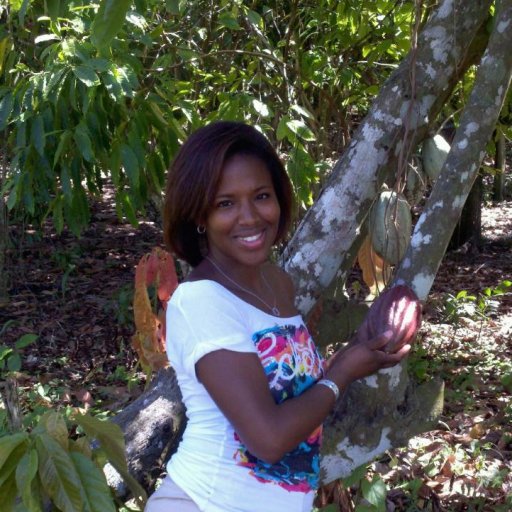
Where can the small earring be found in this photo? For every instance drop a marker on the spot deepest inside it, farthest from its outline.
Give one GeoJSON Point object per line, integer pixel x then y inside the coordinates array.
{"type": "Point", "coordinates": [201, 229]}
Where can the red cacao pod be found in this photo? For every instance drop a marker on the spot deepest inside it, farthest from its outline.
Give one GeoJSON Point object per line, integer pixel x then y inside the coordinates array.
{"type": "Point", "coordinates": [397, 309]}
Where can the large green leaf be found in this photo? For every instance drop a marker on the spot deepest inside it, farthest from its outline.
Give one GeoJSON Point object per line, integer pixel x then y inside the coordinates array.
{"type": "Point", "coordinates": [130, 164]}
{"type": "Point", "coordinates": [8, 444]}
{"type": "Point", "coordinates": [108, 21]}
{"type": "Point", "coordinates": [110, 436]}
{"type": "Point", "coordinates": [55, 426]}
{"type": "Point", "coordinates": [300, 129]}
{"type": "Point", "coordinates": [37, 134]}
{"type": "Point", "coordinates": [6, 104]}
{"type": "Point", "coordinates": [96, 492]}
{"type": "Point", "coordinates": [8, 468]}
{"type": "Point", "coordinates": [26, 340]}
{"type": "Point", "coordinates": [57, 213]}
{"type": "Point", "coordinates": [62, 146]}
{"type": "Point", "coordinates": [25, 474]}
{"type": "Point", "coordinates": [83, 141]}
{"type": "Point", "coordinates": [8, 494]}
{"type": "Point", "coordinates": [87, 75]}
{"type": "Point", "coordinates": [58, 475]}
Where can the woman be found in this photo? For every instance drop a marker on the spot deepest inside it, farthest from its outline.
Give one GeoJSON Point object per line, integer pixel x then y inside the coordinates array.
{"type": "Point", "coordinates": [255, 388]}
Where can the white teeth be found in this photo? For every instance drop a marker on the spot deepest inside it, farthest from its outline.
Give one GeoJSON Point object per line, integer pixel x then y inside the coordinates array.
{"type": "Point", "coordinates": [251, 238]}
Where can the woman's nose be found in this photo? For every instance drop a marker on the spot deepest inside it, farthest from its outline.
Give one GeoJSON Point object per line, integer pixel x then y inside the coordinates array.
{"type": "Point", "coordinates": [247, 213]}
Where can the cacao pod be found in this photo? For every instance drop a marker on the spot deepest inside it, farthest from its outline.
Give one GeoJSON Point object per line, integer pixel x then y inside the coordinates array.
{"type": "Point", "coordinates": [390, 226]}
{"type": "Point", "coordinates": [397, 309]}
{"type": "Point", "coordinates": [433, 154]}
{"type": "Point", "coordinates": [415, 181]}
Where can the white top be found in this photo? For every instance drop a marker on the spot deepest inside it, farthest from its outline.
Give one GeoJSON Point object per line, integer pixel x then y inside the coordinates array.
{"type": "Point", "coordinates": [211, 464]}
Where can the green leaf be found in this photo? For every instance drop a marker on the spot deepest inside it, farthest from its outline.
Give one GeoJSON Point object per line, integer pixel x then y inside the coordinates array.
{"type": "Point", "coordinates": [87, 75]}
{"type": "Point", "coordinates": [108, 21]}
{"type": "Point", "coordinates": [58, 475]}
{"type": "Point", "coordinates": [55, 426]}
{"type": "Point", "coordinates": [96, 492]}
{"type": "Point", "coordinates": [14, 363]}
{"type": "Point", "coordinates": [53, 8]}
{"type": "Point", "coordinates": [300, 129]}
{"type": "Point", "coordinates": [46, 37]}
{"type": "Point", "coordinates": [57, 214]}
{"type": "Point", "coordinates": [26, 340]}
{"type": "Point", "coordinates": [261, 108]}
{"type": "Point", "coordinates": [128, 209]}
{"type": "Point", "coordinates": [100, 65]}
{"type": "Point", "coordinates": [37, 134]}
{"type": "Point", "coordinates": [12, 449]}
{"type": "Point", "coordinates": [63, 144]}
{"type": "Point", "coordinates": [113, 87]}
{"type": "Point", "coordinates": [130, 164]}
{"type": "Point", "coordinates": [282, 128]}
{"type": "Point", "coordinates": [227, 20]}
{"type": "Point", "coordinates": [329, 508]}
{"type": "Point", "coordinates": [255, 18]}
{"type": "Point", "coordinates": [302, 111]}
{"type": "Point", "coordinates": [110, 437]}
{"type": "Point", "coordinates": [173, 6]}
{"type": "Point", "coordinates": [356, 476]}
{"type": "Point", "coordinates": [6, 104]}
{"type": "Point", "coordinates": [8, 494]}
{"type": "Point", "coordinates": [4, 351]}
{"type": "Point", "coordinates": [83, 141]}
{"type": "Point", "coordinates": [375, 493]}
{"type": "Point", "coordinates": [25, 474]}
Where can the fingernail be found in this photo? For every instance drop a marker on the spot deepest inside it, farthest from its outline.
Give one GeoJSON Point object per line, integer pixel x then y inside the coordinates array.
{"type": "Point", "coordinates": [388, 333]}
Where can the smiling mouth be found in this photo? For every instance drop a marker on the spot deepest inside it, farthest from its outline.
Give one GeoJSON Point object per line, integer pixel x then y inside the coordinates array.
{"type": "Point", "coordinates": [251, 239]}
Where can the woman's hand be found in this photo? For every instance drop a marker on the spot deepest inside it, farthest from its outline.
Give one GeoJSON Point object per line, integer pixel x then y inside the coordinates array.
{"type": "Point", "coordinates": [362, 358]}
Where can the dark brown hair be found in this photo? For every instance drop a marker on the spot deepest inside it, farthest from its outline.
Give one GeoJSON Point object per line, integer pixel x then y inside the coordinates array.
{"type": "Point", "coordinates": [195, 174]}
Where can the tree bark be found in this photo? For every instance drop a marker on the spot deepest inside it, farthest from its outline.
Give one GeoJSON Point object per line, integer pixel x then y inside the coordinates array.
{"type": "Point", "coordinates": [469, 228]}
{"type": "Point", "coordinates": [441, 213]}
{"type": "Point", "coordinates": [4, 231]}
{"type": "Point", "coordinates": [498, 186]}
{"type": "Point", "coordinates": [384, 410]}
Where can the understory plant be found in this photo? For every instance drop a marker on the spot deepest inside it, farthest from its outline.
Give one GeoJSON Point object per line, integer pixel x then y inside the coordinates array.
{"type": "Point", "coordinates": [59, 463]}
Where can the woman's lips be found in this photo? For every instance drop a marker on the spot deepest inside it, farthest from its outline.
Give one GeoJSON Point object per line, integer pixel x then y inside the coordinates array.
{"type": "Point", "coordinates": [252, 240]}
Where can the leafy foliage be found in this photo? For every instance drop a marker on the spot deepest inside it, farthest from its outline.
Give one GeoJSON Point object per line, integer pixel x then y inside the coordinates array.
{"type": "Point", "coordinates": [89, 93]}
{"type": "Point", "coordinates": [47, 465]}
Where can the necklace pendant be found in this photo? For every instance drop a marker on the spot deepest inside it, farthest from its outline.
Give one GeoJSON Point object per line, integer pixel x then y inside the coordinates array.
{"type": "Point", "coordinates": [275, 311]}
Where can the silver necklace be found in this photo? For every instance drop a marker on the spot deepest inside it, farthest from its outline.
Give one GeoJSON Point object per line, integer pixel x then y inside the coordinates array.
{"type": "Point", "coordinates": [274, 308]}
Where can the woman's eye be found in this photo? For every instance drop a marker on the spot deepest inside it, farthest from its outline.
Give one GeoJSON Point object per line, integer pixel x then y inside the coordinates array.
{"type": "Point", "coordinates": [223, 204]}
{"type": "Point", "coordinates": [264, 195]}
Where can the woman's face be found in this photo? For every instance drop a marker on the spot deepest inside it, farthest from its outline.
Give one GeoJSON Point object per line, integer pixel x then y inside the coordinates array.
{"type": "Point", "coordinates": [243, 221]}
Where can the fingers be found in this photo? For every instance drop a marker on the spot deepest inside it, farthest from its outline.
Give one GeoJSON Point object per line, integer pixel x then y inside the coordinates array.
{"type": "Point", "coordinates": [396, 357]}
{"type": "Point", "coordinates": [381, 340]}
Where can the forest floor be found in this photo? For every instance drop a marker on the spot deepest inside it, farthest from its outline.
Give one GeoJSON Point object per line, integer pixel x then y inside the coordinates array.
{"type": "Point", "coordinates": [76, 295]}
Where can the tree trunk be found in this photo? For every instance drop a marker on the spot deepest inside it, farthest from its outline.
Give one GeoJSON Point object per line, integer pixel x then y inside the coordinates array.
{"type": "Point", "coordinates": [4, 238]}
{"type": "Point", "coordinates": [435, 226]}
{"type": "Point", "coordinates": [384, 410]}
{"type": "Point", "coordinates": [498, 186]}
{"type": "Point", "coordinates": [469, 227]}
{"type": "Point", "coordinates": [4, 230]}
